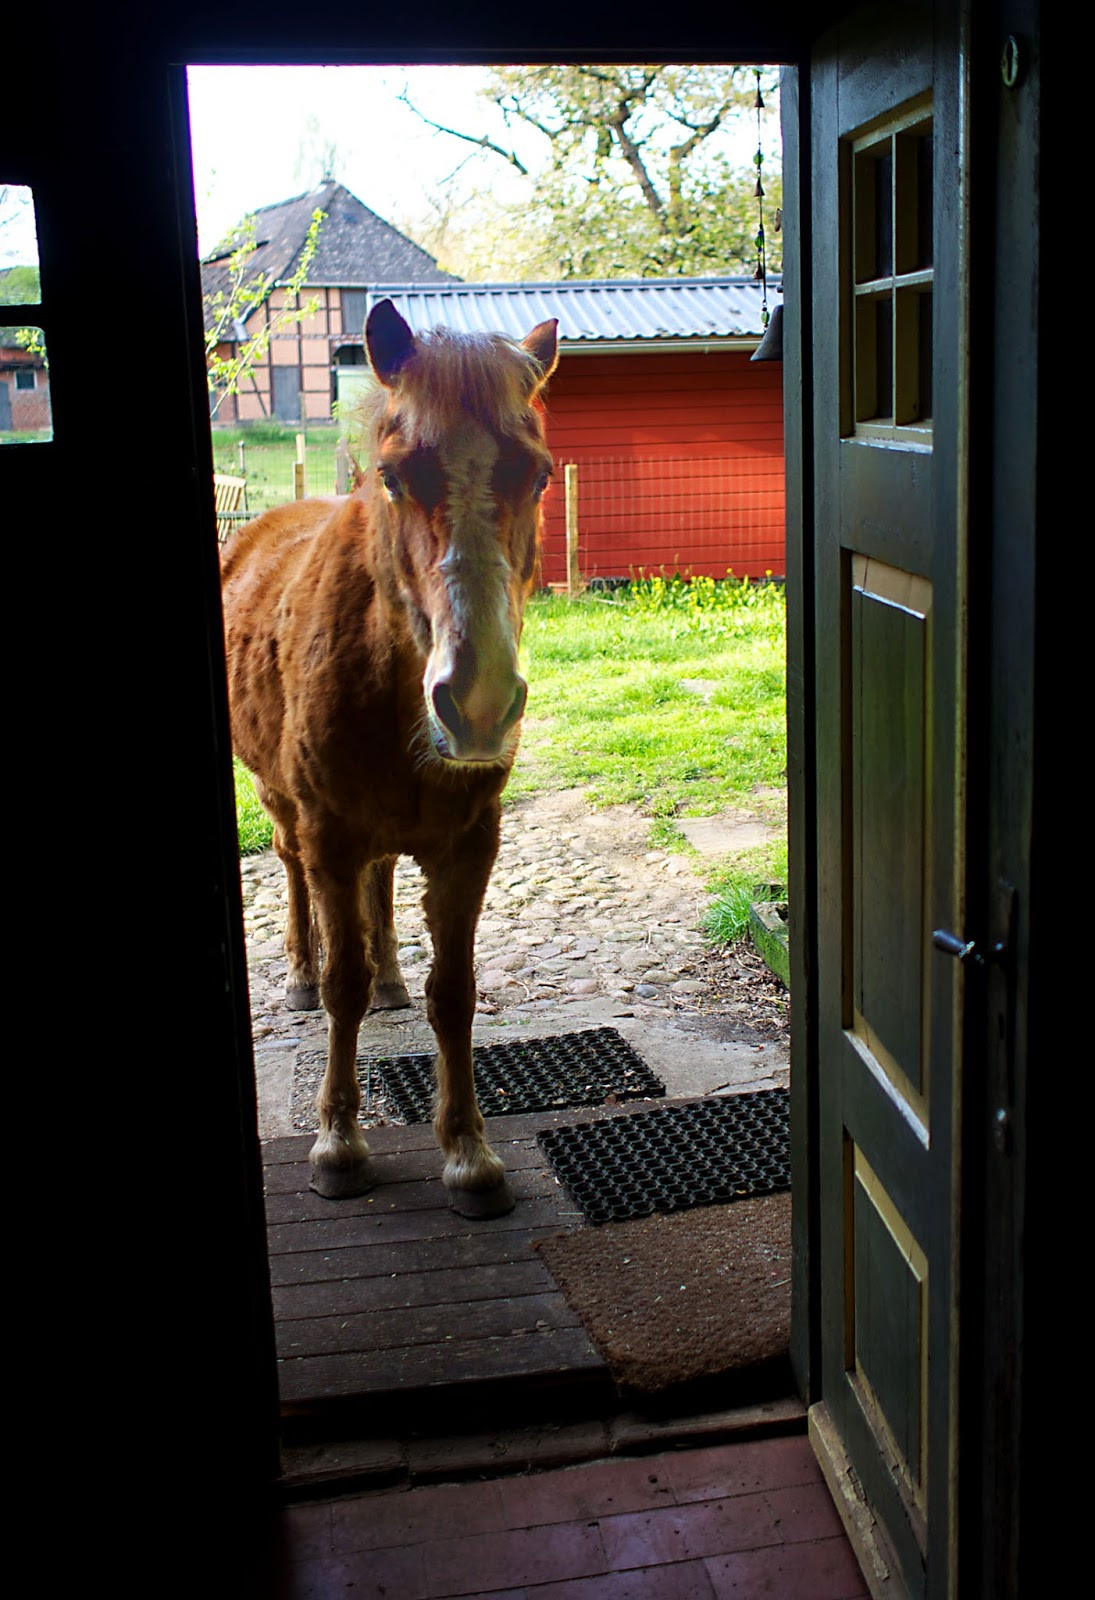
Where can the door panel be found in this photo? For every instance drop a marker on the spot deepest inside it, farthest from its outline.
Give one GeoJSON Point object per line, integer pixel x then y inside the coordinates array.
{"type": "Point", "coordinates": [888, 818]}
{"type": "Point", "coordinates": [889, 440]}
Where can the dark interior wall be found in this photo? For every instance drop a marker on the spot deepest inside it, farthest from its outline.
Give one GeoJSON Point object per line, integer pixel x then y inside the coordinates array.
{"type": "Point", "coordinates": [148, 1306]}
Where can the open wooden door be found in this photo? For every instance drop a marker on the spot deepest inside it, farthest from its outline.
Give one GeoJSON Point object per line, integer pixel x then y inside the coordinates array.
{"type": "Point", "coordinates": [889, 279]}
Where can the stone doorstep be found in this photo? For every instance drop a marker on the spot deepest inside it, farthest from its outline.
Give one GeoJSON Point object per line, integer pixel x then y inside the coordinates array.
{"type": "Point", "coordinates": [718, 836]}
{"type": "Point", "coordinates": [768, 927]}
{"type": "Point", "coordinates": [325, 1469]}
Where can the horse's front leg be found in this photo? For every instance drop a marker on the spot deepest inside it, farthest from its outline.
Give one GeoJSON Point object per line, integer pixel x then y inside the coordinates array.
{"type": "Point", "coordinates": [340, 1155]}
{"type": "Point", "coordinates": [301, 941]}
{"type": "Point", "coordinates": [456, 881]}
{"type": "Point", "coordinates": [378, 908]}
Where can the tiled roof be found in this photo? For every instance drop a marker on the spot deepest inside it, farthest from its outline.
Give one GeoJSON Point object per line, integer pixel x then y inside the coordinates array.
{"type": "Point", "coordinates": [590, 312]}
{"type": "Point", "coordinates": [355, 248]}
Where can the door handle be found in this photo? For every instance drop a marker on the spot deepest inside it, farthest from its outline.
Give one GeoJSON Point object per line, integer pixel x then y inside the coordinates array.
{"type": "Point", "coordinates": [967, 949]}
{"type": "Point", "coordinates": [997, 962]}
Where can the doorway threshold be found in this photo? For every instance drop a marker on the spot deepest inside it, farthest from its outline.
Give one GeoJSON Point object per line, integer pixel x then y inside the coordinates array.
{"type": "Point", "coordinates": [415, 1344]}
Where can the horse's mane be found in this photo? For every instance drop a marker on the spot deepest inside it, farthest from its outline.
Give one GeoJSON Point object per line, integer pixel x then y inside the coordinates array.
{"type": "Point", "coordinates": [454, 375]}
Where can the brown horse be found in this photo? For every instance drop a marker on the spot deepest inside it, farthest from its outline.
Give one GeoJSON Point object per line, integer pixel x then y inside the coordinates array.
{"type": "Point", "coordinates": [372, 670]}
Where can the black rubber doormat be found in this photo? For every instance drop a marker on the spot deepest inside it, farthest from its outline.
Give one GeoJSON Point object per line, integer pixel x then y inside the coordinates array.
{"type": "Point", "coordinates": [556, 1074]}
{"type": "Point", "coordinates": [675, 1157]}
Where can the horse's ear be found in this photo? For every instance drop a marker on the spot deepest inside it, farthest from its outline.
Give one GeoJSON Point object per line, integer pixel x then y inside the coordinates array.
{"type": "Point", "coordinates": [543, 344]}
{"type": "Point", "coordinates": [389, 341]}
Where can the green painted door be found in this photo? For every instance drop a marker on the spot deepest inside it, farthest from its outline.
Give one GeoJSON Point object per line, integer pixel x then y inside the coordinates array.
{"type": "Point", "coordinates": [887, 220]}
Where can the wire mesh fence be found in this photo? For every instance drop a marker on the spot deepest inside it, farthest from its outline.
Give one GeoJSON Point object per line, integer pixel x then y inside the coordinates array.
{"type": "Point", "coordinates": [269, 466]}
{"type": "Point", "coordinates": [695, 514]}
{"type": "Point", "coordinates": [709, 514]}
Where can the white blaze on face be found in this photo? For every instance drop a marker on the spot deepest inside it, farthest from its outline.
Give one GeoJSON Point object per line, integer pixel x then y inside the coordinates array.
{"type": "Point", "coordinates": [473, 663]}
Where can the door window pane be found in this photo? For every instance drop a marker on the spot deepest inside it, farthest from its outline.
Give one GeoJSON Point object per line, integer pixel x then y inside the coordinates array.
{"type": "Point", "coordinates": [887, 388]}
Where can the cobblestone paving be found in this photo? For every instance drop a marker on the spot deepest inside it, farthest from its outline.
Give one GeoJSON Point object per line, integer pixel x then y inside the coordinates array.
{"type": "Point", "coordinates": [583, 924]}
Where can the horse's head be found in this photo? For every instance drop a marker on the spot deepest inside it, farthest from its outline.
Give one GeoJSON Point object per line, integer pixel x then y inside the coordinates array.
{"type": "Point", "coordinates": [459, 465]}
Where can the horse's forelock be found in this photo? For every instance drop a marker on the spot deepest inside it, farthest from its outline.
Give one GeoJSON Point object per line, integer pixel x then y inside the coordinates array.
{"type": "Point", "coordinates": [452, 376]}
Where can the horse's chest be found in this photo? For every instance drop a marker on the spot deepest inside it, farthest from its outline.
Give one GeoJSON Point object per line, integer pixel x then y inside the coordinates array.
{"type": "Point", "coordinates": [369, 778]}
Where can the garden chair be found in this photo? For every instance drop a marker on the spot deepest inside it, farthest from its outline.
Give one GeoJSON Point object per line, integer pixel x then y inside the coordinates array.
{"type": "Point", "coordinates": [230, 495]}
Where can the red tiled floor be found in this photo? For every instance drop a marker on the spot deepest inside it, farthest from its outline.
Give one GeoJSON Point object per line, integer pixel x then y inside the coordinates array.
{"type": "Point", "coordinates": [740, 1520]}
{"type": "Point", "coordinates": [684, 1580]}
{"type": "Point", "coordinates": [804, 1512]}
{"type": "Point", "coordinates": [596, 1489]}
{"type": "Point", "coordinates": [709, 1473]}
{"type": "Point", "coordinates": [480, 1562]}
{"type": "Point", "coordinates": [681, 1533]}
{"type": "Point", "coordinates": [401, 1517]}
{"type": "Point", "coordinates": [819, 1571]}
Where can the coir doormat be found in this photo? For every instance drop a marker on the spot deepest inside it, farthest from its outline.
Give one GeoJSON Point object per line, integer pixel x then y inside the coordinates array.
{"type": "Point", "coordinates": [675, 1157]}
{"type": "Point", "coordinates": [673, 1301]}
{"type": "Point", "coordinates": [552, 1074]}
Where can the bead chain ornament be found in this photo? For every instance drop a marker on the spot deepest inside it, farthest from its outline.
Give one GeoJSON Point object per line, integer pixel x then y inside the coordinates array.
{"type": "Point", "coordinates": [771, 344]}
{"type": "Point", "coordinates": [758, 193]}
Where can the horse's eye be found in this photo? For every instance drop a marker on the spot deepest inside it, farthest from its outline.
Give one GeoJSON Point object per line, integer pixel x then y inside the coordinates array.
{"type": "Point", "coordinates": [391, 482]}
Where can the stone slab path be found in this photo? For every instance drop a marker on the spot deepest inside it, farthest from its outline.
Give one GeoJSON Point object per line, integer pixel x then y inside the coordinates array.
{"type": "Point", "coordinates": [584, 925]}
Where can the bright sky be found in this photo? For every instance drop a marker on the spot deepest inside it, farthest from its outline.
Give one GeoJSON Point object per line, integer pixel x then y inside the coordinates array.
{"type": "Point", "coordinates": [258, 135]}
{"type": "Point", "coordinates": [18, 242]}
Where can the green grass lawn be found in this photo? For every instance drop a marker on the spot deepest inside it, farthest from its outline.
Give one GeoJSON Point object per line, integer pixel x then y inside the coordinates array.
{"type": "Point", "coordinates": [665, 695]}
{"type": "Point", "coordinates": [269, 451]}
{"type": "Point", "coordinates": [673, 704]}
{"type": "Point", "coordinates": [672, 697]}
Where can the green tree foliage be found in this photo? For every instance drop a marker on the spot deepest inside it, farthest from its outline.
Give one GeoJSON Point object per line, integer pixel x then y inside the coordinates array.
{"type": "Point", "coordinates": [634, 175]}
{"type": "Point", "coordinates": [19, 286]}
{"type": "Point", "coordinates": [226, 310]}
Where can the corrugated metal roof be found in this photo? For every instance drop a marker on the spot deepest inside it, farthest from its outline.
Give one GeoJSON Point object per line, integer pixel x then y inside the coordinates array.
{"type": "Point", "coordinates": [590, 312]}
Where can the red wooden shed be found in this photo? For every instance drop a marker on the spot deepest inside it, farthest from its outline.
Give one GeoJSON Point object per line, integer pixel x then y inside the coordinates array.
{"type": "Point", "coordinates": [676, 434]}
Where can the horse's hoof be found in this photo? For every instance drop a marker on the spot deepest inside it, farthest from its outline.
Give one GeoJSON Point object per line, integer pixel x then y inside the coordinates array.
{"type": "Point", "coordinates": [481, 1204]}
{"type": "Point", "coordinates": [305, 998]}
{"type": "Point", "coordinates": [340, 1183]}
{"type": "Point", "coordinates": [389, 997]}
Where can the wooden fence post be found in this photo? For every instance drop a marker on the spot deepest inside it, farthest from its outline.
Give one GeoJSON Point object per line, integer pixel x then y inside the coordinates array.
{"type": "Point", "coordinates": [342, 467]}
{"type": "Point", "coordinates": [298, 469]}
{"type": "Point", "coordinates": [574, 577]}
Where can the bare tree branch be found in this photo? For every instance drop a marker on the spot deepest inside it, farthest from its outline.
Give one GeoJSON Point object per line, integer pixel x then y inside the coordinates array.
{"type": "Point", "coordinates": [637, 153]}
{"type": "Point", "coordinates": [630, 152]}
{"type": "Point", "coordinates": [483, 142]}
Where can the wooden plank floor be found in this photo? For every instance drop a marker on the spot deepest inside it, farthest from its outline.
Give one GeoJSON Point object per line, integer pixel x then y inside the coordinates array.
{"type": "Point", "coordinates": [393, 1295]}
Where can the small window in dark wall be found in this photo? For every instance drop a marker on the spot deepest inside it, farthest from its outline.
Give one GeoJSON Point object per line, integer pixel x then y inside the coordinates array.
{"type": "Point", "coordinates": [19, 280]}
{"type": "Point", "coordinates": [353, 311]}
{"type": "Point", "coordinates": [25, 416]}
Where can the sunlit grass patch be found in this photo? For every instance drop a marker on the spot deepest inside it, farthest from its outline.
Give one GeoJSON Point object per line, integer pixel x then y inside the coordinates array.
{"type": "Point", "coordinates": [756, 875]}
{"type": "Point", "coordinates": [253, 825]}
{"type": "Point", "coordinates": [614, 705]}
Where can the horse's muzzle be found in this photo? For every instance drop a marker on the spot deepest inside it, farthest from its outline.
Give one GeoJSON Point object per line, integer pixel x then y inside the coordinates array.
{"type": "Point", "coordinates": [471, 730]}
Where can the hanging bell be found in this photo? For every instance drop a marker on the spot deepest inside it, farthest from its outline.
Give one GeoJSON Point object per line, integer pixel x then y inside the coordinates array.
{"type": "Point", "coordinates": [770, 347]}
